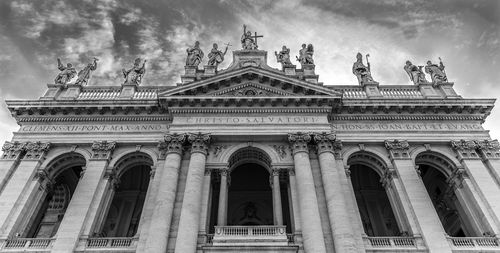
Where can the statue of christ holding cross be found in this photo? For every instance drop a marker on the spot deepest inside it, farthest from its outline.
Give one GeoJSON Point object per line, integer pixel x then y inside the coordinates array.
{"type": "Point", "coordinates": [249, 41]}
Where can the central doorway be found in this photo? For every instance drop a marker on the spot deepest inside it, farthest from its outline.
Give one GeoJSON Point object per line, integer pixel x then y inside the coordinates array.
{"type": "Point", "coordinates": [250, 201]}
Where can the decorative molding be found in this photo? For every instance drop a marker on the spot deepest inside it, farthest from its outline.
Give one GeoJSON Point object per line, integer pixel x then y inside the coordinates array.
{"type": "Point", "coordinates": [12, 150]}
{"type": "Point", "coordinates": [152, 172]}
{"type": "Point", "coordinates": [299, 142]}
{"type": "Point", "coordinates": [281, 150]}
{"type": "Point", "coordinates": [102, 150]}
{"type": "Point", "coordinates": [489, 149]}
{"type": "Point", "coordinates": [199, 142]}
{"type": "Point", "coordinates": [389, 175]}
{"type": "Point", "coordinates": [465, 149]}
{"type": "Point", "coordinates": [398, 149]}
{"type": "Point", "coordinates": [172, 143]}
{"type": "Point", "coordinates": [347, 170]}
{"type": "Point", "coordinates": [217, 149]}
{"type": "Point", "coordinates": [36, 150]}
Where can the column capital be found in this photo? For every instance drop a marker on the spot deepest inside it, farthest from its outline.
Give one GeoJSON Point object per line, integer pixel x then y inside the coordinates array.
{"type": "Point", "coordinates": [488, 149]}
{"type": "Point", "coordinates": [36, 150]}
{"type": "Point", "coordinates": [199, 142]}
{"type": "Point", "coordinates": [299, 142]}
{"type": "Point", "coordinates": [43, 178]}
{"type": "Point", "coordinates": [12, 150]}
{"type": "Point", "coordinates": [347, 170]}
{"type": "Point", "coordinates": [398, 149]}
{"type": "Point", "coordinates": [172, 143]}
{"type": "Point", "coordinates": [389, 175]}
{"type": "Point", "coordinates": [465, 149]}
{"type": "Point", "coordinates": [327, 142]}
{"type": "Point", "coordinates": [102, 150]}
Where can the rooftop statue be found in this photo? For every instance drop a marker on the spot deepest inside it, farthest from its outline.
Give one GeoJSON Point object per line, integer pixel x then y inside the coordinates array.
{"type": "Point", "coordinates": [306, 54]}
{"type": "Point", "coordinates": [216, 57]}
{"type": "Point", "coordinates": [361, 71]}
{"type": "Point", "coordinates": [283, 56]}
{"type": "Point", "coordinates": [249, 42]}
{"type": "Point", "coordinates": [84, 74]}
{"type": "Point", "coordinates": [415, 73]}
{"type": "Point", "coordinates": [437, 72]}
{"type": "Point", "coordinates": [194, 55]}
{"type": "Point", "coordinates": [67, 73]}
{"type": "Point", "coordinates": [135, 74]}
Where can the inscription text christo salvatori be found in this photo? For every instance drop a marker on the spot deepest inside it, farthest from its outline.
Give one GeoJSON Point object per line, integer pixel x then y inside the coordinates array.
{"type": "Point", "coordinates": [254, 120]}
{"type": "Point", "coordinates": [95, 128]}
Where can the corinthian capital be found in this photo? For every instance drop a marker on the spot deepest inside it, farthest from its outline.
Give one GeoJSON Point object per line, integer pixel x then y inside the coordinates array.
{"type": "Point", "coordinates": [12, 150]}
{"type": "Point", "coordinates": [398, 149]}
{"type": "Point", "coordinates": [199, 142]}
{"type": "Point", "coordinates": [489, 149]}
{"type": "Point", "coordinates": [102, 149]}
{"type": "Point", "coordinates": [465, 149]}
{"type": "Point", "coordinates": [327, 142]}
{"type": "Point", "coordinates": [299, 142]}
{"type": "Point", "coordinates": [36, 150]}
{"type": "Point", "coordinates": [172, 144]}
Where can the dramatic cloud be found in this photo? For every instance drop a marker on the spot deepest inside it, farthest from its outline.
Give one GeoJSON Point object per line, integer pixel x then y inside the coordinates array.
{"type": "Point", "coordinates": [465, 34]}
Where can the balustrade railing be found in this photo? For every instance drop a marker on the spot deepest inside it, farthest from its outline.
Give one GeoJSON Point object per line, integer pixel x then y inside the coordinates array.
{"type": "Point", "coordinates": [111, 242]}
{"type": "Point", "coordinates": [474, 243]}
{"type": "Point", "coordinates": [393, 243]}
{"type": "Point", "coordinates": [237, 235]}
{"type": "Point", "coordinates": [28, 244]}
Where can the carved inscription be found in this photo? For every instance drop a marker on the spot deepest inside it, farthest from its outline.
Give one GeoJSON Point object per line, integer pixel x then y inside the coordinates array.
{"type": "Point", "coordinates": [251, 120]}
{"type": "Point", "coordinates": [94, 128]}
{"type": "Point", "coordinates": [407, 127]}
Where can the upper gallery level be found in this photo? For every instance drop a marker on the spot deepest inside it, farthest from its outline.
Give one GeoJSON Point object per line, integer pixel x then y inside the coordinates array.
{"type": "Point", "coordinates": [249, 84]}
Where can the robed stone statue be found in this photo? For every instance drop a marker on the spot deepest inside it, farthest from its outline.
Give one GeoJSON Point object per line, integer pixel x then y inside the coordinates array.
{"type": "Point", "coordinates": [67, 73]}
{"type": "Point", "coordinates": [283, 56]}
{"type": "Point", "coordinates": [436, 71]}
{"type": "Point", "coordinates": [194, 55]}
{"type": "Point", "coordinates": [415, 73]}
{"type": "Point", "coordinates": [84, 74]}
{"type": "Point", "coordinates": [361, 71]}
{"type": "Point", "coordinates": [216, 56]}
{"type": "Point", "coordinates": [306, 54]}
{"type": "Point", "coordinates": [248, 42]}
{"type": "Point", "coordinates": [134, 75]}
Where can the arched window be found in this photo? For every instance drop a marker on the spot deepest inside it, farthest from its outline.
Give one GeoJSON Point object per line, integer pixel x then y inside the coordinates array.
{"type": "Point", "coordinates": [375, 207]}
{"type": "Point", "coordinates": [129, 194]}
{"type": "Point", "coordinates": [435, 171]}
{"type": "Point", "coordinates": [63, 174]}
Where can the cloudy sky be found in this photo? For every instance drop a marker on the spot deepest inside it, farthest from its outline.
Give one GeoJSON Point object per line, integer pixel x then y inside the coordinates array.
{"type": "Point", "coordinates": [464, 33]}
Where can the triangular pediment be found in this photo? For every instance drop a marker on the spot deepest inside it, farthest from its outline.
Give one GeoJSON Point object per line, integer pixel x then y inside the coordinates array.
{"type": "Point", "coordinates": [250, 82]}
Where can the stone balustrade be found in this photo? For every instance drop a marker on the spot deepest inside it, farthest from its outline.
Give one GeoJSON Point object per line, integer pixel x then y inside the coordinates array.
{"type": "Point", "coordinates": [27, 245]}
{"type": "Point", "coordinates": [255, 235]}
{"type": "Point", "coordinates": [474, 244]}
{"type": "Point", "coordinates": [111, 244]}
{"type": "Point", "coordinates": [394, 244]}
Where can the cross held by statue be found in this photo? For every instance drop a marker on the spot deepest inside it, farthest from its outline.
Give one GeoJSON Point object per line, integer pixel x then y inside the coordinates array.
{"type": "Point", "coordinates": [257, 36]}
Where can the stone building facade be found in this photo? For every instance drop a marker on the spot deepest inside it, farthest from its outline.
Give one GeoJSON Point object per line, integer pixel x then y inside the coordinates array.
{"type": "Point", "coordinates": [250, 159]}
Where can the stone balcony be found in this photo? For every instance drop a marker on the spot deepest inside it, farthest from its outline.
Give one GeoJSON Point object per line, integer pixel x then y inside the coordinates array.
{"type": "Point", "coordinates": [107, 244]}
{"type": "Point", "coordinates": [27, 245]}
{"type": "Point", "coordinates": [474, 244]}
{"type": "Point", "coordinates": [394, 244]}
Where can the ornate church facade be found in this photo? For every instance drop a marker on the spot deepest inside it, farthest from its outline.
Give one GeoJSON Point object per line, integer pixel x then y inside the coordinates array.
{"type": "Point", "coordinates": [250, 159]}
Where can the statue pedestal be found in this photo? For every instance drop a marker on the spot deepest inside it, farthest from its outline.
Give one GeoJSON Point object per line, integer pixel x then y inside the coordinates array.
{"type": "Point", "coordinates": [447, 90]}
{"type": "Point", "coordinates": [128, 90]}
{"type": "Point", "coordinates": [428, 90]}
{"type": "Point", "coordinates": [189, 74]}
{"type": "Point", "coordinates": [289, 70]}
{"type": "Point", "coordinates": [72, 91]}
{"type": "Point", "coordinates": [372, 90]}
{"type": "Point", "coordinates": [210, 70]}
{"type": "Point", "coordinates": [308, 73]}
{"type": "Point", "coordinates": [52, 91]}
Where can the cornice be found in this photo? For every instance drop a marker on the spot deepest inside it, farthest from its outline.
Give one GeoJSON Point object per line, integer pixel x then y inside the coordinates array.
{"type": "Point", "coordinates": [31, 118]}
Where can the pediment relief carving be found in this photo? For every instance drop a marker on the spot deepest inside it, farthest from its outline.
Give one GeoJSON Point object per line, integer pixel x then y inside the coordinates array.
{"type": "Point", "coordinates": [250, 89]}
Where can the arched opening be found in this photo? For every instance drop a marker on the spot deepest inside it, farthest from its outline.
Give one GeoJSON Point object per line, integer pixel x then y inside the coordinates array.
{"type": "Point", "coordinates": [441, 190]}
{"type": "Point", "coordinates": [56, 197]}
{"type": "Point", "coordinates": [375, 208]}
{"type": "Point", "coordinates": [250, 192]}
{"type": "Point", "coordinates": [250, 199]}
{"type": "Point", "coordinates": [129, 194]}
